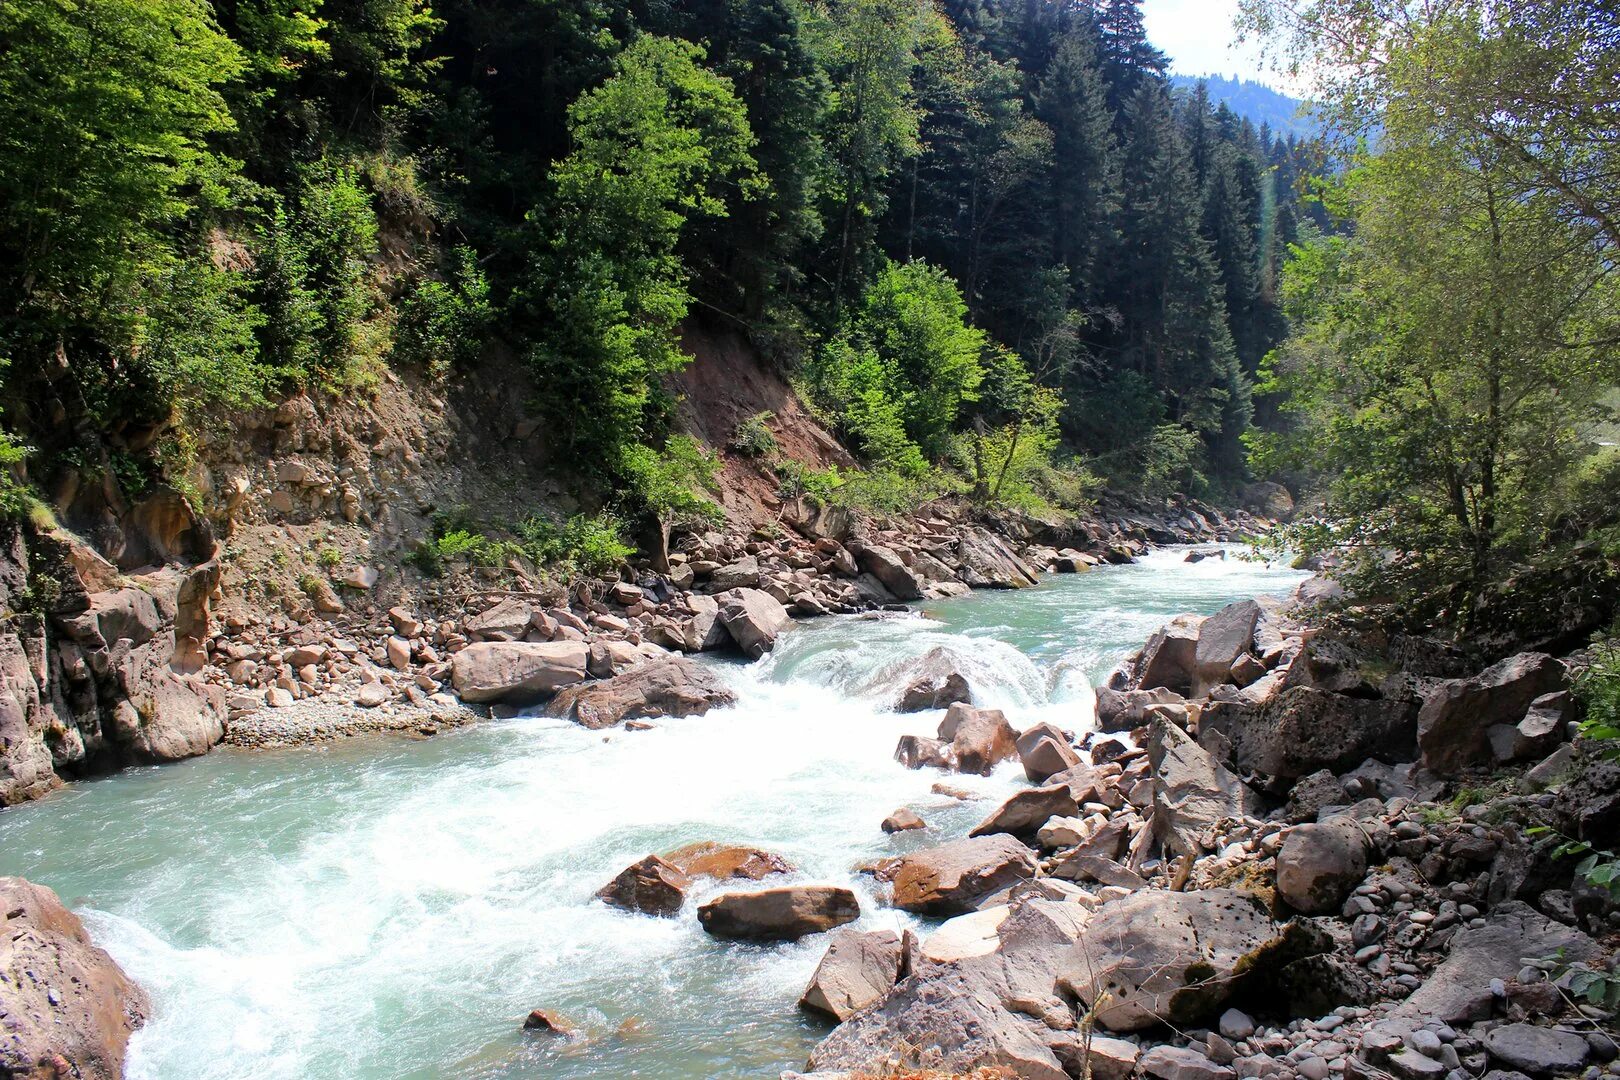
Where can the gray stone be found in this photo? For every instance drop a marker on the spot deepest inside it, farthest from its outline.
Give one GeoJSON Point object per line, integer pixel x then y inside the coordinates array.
{"type": "Point", "coordinates": [1181, 1063]}
{"type": "Point", "coordinates": [1537, 1050]}
{"type": "Point", "coordinates": [1454, 724]}
{"type": "Point", "coordinates": [1236, 1025]}
{"type": "Point", "coordinates": [1318, 865]}
{"type": "Point", "coordinates": [1223, 638]}
{"type": "Point", "coordinates": [753, 618]}
{"type": "Point", "coordinates": [1191, 791]}
{"type": "Point", "coordinates": [857, 971]}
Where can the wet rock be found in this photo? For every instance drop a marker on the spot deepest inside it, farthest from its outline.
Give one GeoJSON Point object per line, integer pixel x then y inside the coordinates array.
{"type": "Point", "coordinates": [517, 672]}
{"type": "Point", "coordinates": [917, 751]}
{"type": "Point", "coordinates": [784, 914]}
{"type": "Point", "coordinates": [1454, 724]}
{"type": "Point", "coordinates": [754, 619]}
{"type": "Point", "coordinates": [952, 878]}
{"type": "Point", "coordinates": [903, 820]}
{"type": "Point", "coordinates": [1045, 751]}
{"type": "Point", "coordinates": [669, 686]}
{"type": "Point", "coordinates": [1460, 988]}
{"type": "Point", "coordinates": [727, 862]}
{"type": "Point", "coordinates": [1320, 864]}
{"type": "Point", "coordinates": [1026, 811]}
{"type": "Point", "coordinates": [857, 971]}
{"type": "Point", "coordinates": [931, 692]}
{"type": "Point", "coordinates": [1537, 1050]}
{"type": "Point", "coordinates": [651, 886]}
{"type": "Point", "coordinates": [980, 738]}
{"type": "Point", "coordinates": [1192, 792]}
{"type": "Point", "coordinates": [1156, 955]}
{"type": "Point", "coordinates": [547, 1023]}
{"type": "Point", "coordinates": [66, 1010]}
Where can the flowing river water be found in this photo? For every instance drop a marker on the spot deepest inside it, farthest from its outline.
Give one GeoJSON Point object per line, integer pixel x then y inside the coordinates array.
{"type": "Point", "coordinates": [384, 908]}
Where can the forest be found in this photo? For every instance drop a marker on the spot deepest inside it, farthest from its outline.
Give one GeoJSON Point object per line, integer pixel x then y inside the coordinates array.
{"type": "Point", "coordinates": [994, 249]}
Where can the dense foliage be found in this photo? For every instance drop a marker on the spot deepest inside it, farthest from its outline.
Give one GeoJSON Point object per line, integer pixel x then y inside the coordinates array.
{"type": "Point", "coordinates": [979, 236]}
{"type": "Point", "coordinates": [1453, 363]}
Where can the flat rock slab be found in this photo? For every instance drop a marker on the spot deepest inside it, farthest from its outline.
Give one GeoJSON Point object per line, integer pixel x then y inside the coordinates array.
{"type": "Point", "coordinates": [1537, 1050]}
{"type": "Point", "coordinates": [784, 914]}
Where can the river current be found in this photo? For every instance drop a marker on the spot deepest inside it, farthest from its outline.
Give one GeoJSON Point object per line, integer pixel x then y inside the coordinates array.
{"type": "Point", "coordinates": [383, 908]}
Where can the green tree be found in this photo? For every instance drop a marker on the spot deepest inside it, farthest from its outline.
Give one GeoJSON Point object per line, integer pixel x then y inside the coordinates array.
{"type": "Point", "coordinates": [662, 142]}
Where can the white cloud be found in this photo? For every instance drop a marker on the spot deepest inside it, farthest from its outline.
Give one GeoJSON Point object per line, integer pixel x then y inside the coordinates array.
{"type": "Point", "coordinates": [1198, 37]}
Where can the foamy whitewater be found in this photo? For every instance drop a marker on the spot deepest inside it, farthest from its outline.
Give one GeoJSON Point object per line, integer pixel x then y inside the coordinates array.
{"type": "Point", "coordinates": [389, 908]}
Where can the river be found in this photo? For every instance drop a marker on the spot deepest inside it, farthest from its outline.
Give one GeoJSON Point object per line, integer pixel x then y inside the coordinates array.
{"type": "Point", "coordinates": [385, 908]}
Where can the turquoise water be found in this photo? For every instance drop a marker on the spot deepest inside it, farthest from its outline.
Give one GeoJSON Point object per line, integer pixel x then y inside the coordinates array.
{"type": "Point", "coordinates": [389, 908]}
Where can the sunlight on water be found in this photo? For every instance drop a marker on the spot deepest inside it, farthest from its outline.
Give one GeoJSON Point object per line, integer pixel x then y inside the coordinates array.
{"type": "Point", "coordinates": [387, 908]}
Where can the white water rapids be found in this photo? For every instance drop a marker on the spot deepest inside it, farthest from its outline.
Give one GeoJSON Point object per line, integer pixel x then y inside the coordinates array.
{"type": "Point", "coordinates": [385, 908]}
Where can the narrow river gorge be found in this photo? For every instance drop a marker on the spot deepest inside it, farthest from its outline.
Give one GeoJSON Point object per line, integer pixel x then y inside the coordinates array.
{"type": "Point", "coordinates": [391, 908]}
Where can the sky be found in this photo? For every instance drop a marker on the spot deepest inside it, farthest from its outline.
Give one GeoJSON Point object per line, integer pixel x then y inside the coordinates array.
{"type": "Point", "coordinates": [1197, 36]}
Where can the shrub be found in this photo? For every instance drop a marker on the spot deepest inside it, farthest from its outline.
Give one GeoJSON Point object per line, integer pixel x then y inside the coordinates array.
{"type": "Point", "coordinates": [329, 558]}
{"type": "Point", "coordinates": [442, 324]}
{"type": "Point", "coordinates": [753, 436]}
{"type": "Point", "coordinates": [665, 483]}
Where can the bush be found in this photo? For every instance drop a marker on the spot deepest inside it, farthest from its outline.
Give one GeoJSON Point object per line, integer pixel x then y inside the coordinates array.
{"type": "Point", "coordinates": [797, 480]}
{"type": "Point", "coordinates": [665, 483]}
{"type": "Point", "coordinates": [593, 544]}
{"type": "Point", "coordinates": [1173, 457]}
{"type": "Point", "coordinates": [753, 436]}
{"type": "Point", "coordinates": [442, 324]}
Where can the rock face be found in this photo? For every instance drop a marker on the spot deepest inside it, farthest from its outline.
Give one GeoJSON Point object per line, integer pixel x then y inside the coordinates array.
{"type": "Point", "coordinates": [1223, 639]}
{"type": "Point", "coordinates": [1320, 864]}
{"type": "Point", "coordinates": [1158, 955]}
{"type": "Point", "coordinates": [981, 739]}
{"type": "Point", "coordinates": [651, 886]}
{"type": "Point", "coordinates": [754, 619]}
{"type": "Point", "coordinates": [1192, 792]}
{"type": "Point", "coordinates": [1305, 729]}
{"type": "Point", "coordinates": [66, 1010]}
{"type": "Point", "coordinates": [857, 971]}
{"type": "Point", "coordinates": [977, 995]}
{"type": "Point", "coordinates": [1453, 727]}
{"type": "Point", "coordinates": [785, 914]}
{"type": "Point", "coordinates": [988, 563]}
{"type": "Point", "coordinates": [670, 686]}
{"type": "Point", "coordinates": [952, 878]}
{"type": "Point", "coordinates": [727, 862]}
{"type": "Point", "coordinates": [517, 672]}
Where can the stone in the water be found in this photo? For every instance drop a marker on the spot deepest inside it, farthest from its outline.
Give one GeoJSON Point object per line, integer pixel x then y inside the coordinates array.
{"type": "Point", "coordinates": [858, 970]}
{"type": "Point", "coordinates": [669, 686]}
{"type": "Point", "coordinates": [727, 862]}
{"type": "Point", "coordinates": [980, 738]}
{"type": "Point", "coordinates": [917, 751]}
{"type": "Point", "coordinates": [784, 914]}
{"type": "Point", "coordinates": [952, 878]}
{"type": "Point", "coordinates": [753, 619]}
{"type": "Point", "coordinates": [1045, 751]}
{"type": "Point", "coordinates": [546, 1022]}
{"type": "Point", "coordinates": [903, 820]}
{"type": "Point", "coordinates": [1026, 811]}
{"type": "Point", "coordinates": [651, 886]}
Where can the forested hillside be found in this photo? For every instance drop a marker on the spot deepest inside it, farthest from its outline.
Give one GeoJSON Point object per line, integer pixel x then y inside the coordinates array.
{"type": "Point", "coordinates": [981, 238]}
{"type": "Point", "coordinates": [1256, 102]}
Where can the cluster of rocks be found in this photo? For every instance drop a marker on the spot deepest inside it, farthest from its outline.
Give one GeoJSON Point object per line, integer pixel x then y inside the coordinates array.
{"type": "Point", "coordinates": [1283, 851]}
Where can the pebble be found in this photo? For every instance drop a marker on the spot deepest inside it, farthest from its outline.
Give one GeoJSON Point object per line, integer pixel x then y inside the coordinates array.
{"type": "Point", "coordinates": [1425, 1042]}
{"type": "Point", "coordinates": [1235, 1025]}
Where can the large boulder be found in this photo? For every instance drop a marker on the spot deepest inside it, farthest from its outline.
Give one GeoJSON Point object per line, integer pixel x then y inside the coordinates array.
{"type": "Point", "coordinates": [651, 886]}
{"type": "Point", "coordinates": [1223, 639]}
{"type": "Point", "coordinates": [1169, 660]}
{"type": "Point", "coordinates": [916, 751]}
{"type": "Point", "coordinates": [784, 914]}
{"type": "Point", "coordinates": [508, 620]}
{"type": "Point", "coordinates": [1127, 710]}
{"type": "Point", "coordinates": [1192, 792]}
{"type": "Point", "coordinates": [883, 564]}
{"type": "Point", "coordinates": [1453, 727]}
{"type": "Point", "coordinates": [1045, 751]}
{"type": "Point", "coordinates": [1319, 864]}
{"type": "Point", "coordinates": [982, 993]}
{"type": "Point", "coordinates": [1303, 730]}
{"type": "Point", "coordinates": [1539, 1051]}
{"type": "Point", "coordinates": [671, 686]}
{"type": "Point", "coordinates": [727, 862]}
{"type": "Point", "coordinates": [66, 1009]}
{"type": "Point", "coordinates": [932, 681]}
{"type": "Point", "coordinates": [754, 619]}
{"type": "Point", "coordinates": [1157, 956]}
{"type": "Point", "coordinates": [1026, 811]}
{"type": "Point", "coordinates": [988, 563]}
{"type": "Point", "coordinates": [857, 971]}
{"type": "Point", "coordinates": [1459, 990]}
{"type": "Point", "coordinates": [952, 878]}
{"type": "Point", "coordinates": [981, 739]}
{"type": "Point", "coordinates": [517, 672]}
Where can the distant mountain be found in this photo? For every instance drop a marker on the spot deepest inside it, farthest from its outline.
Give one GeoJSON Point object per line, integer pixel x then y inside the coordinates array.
{"type": "Point", "coordinates": [1260, 103]}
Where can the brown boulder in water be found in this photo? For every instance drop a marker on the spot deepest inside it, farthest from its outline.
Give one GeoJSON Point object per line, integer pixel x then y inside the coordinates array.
{"type": "Point", "coordinates": [669, 686]}
{"type": "Point", "coordinates": [981, 738]}
{"type": "Point", "coordinates": [727, 862]}
{"type": "Point", "coordinates": [784, 914]}
{"type": "Point", "coordinates": [651, 886]}
{"type": "Point", "coordinates": [952, 878]}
